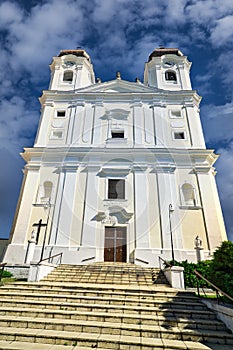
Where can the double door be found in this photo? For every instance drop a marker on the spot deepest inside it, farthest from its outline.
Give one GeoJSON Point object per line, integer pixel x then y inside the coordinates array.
{"type": "Point", "coordinates": [115, 248]}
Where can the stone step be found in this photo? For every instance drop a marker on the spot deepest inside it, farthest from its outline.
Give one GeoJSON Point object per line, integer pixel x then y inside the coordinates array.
{"type": "Point", "coordinates": [157, 294]}
{"type": "Point", "coordinates": [102, 266]}
{"type": "Point", "coordinates": [197, 320]}
{"type": "Point", "coordinates": [95, 290]}
{"type": "Point", "coordinates": [17, 316]}
{"type": "Point", "coordinates": [53, 307]}
{"type": "Point", "coordinates": [98, 280]}
{"type": "Point", "coordinates": [149, 289]}
{"type": "Point", "coordinates": [119, 271]}
{"type": "Point", "coordinates": [12, 345]}
{"type": "Point", "coordinates": [106, 306]}
{"type": "Point", "coordinates": [9, 345]}
{"type": "Point", "coordinates": [116, 299]}
{"type": "Point", "coordinates": [102, 273]}
{"type": "Point", "coordinates": [96, 340]}
{"type": "Point", "coordinates": [91, 303]}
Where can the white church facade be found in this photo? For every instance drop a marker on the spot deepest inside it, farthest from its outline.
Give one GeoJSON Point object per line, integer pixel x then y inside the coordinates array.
{"type": "Point", "coordinates": [119, 170]}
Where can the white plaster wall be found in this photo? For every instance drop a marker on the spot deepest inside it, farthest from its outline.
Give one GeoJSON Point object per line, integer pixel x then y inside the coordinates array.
{"type": "Point", "coordinates": [22, 226]}
{"type": "Point", "coordinates": [212, 209]}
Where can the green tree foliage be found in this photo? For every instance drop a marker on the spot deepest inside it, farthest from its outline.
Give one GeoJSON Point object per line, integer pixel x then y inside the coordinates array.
{"type": "Point", "coordinates": [6, 273]}
{"type": "Point", "coordinates": [190, 279]}
{"type": "Point", "coordinates": [221, 268]}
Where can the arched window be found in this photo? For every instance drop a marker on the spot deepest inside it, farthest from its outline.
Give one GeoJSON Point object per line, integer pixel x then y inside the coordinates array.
{"type": "Point", "coordinates": [48, 185]}
{"type": "Point", "coordinates": [188, 195]}
{"type": "Point", "coordinates": [68, 76]}
{"type": "Point", "coordinates": [46, 192]}
{"type": "Point", "coordinates": [170, 75]}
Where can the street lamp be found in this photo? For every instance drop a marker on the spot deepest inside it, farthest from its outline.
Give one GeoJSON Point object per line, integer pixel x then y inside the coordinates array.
{"type": "Point", "coordinates": [47, 205]}
{"type": "Point", "coordinates": [170, 210]}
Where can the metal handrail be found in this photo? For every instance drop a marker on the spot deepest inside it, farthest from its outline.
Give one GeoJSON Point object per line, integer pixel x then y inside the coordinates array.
{"type": "Point", "coordinates": [51, 257]}
{"type": "Point", "coordinates": [216, 289]}
{"type": "Point", "coordinates": [164, 261]}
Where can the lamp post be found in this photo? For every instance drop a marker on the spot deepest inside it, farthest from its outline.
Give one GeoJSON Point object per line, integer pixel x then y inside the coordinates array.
{"type": "Point", "coordinates": [170, 210]}
{"type": "Point", "coordinates": [48, 206]}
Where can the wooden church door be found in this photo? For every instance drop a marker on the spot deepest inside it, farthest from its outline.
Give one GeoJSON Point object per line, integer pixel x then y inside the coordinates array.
{"type": "Point", "coordinates": [115, 244]}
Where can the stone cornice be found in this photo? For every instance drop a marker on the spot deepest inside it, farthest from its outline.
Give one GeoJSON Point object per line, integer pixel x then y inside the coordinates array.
{"type": "Point", "coordinates": [160, 97]}
{"type": "Point", "coordinates": [154, 158]}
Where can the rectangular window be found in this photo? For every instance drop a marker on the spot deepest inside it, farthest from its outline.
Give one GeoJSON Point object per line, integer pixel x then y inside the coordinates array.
{"type": "Point", "coordinates": [116, 189]}
{"type": "Point", "coordinates": [117, 134]}
{"type": "Point", "coordinates": [68, 76]}
{"type": "Point", "coordinates": [56, 134]}
{"type": "Point", "coordinates": [61, 114]}
{"type": "Point", "coordinates": [175, 113]}
{"type": "Point", "coordinates": [179, 135]}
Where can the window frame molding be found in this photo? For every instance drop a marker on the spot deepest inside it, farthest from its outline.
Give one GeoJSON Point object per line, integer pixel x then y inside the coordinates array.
{"type": "Point", "coordinates": [172, 81]}
{"type": "Point", "coordinates": [67, 82]}
{"type": "Point", "coordinates": [179, 132]}
{"type": "Point", "coordinates": [60, 110]}
{"type": "Point", "coordinates": [109, 178]}
{"type": "Point", "coordinates": [183, 205]}
{"type": "Point", "coordinates": [52, 137]}
{"type": "Point", "coordinates": [170, 110]}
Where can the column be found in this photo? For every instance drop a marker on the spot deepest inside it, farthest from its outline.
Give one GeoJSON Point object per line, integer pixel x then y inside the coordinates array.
{"type": "Point", "coordinates": [78, 122]}
{"type": "Point", "coordinates": [211, 207]}
{"type": "Point", "coordinates": [159, 120]}
{"type": "Point", "coordinates": [22, 229]}
{"type": "Point", "coordinates": [88, 125]}
{"type": "Point", "coordinates": [138, 123]}
{"type": "Point", "coordinates": [195, 128]}
{"type": "Point", "coordinates": [170, 221]}
{"type": "Point", "coordinates": [44, 124]}
{"type": "Point", "coordinates": [71, 116]}
{"type": "Point", "coordinates": [91, 208]}
{"type": "Point", "coordinates": [98, 113]}
{"type": "Point", "coordinates": [66, 210]}
{"type": "Point", "coordinates": [149, 126]}
{"type": "Point", "coordinates": [57, 208]}
{"type": "Point", "coordinates": [141, 210]}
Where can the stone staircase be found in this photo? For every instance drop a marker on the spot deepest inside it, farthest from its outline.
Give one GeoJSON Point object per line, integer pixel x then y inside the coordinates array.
{"type": "Point", "coordinates": [106, 306]}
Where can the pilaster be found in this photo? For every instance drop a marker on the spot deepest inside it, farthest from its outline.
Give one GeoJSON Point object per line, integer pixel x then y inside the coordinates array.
{"type": "Point", "coordinates": [22, 229]}
{"type": "Point", "coordinates": [66, 209]}
{"type": "Point", "coordinates": [98, 108]}
{"type": "Point", "coordinates": [138, 123]}
{"type": "Point", "coordinates": [141, 212]}
{"type": "Point", "coordinates": [91, 208]}
{"type": "Point", "coordinates": [169, 205]}
{"type": "Point", "coordinates": [211, 209]}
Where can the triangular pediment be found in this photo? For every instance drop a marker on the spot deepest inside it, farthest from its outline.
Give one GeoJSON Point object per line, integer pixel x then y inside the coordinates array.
{"type": "Point", "coordinates": [118, 86]}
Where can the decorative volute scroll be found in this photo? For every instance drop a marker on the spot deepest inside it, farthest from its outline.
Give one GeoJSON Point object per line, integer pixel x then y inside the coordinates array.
{"type": "Point", "coordinates": [114, 215]}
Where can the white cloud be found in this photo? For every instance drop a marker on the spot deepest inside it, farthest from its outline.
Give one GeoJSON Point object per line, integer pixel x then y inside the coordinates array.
{"type": "Point", "coordinates": [9, 13]}
{"type": "Point", "coordinates": [223, 31]}
{"type": "Point", "coordinates": [218, 122]}
{"type": "Point", "coordinates": [35, 38]}
{"type": "Point", "coordinates": [17, 123]}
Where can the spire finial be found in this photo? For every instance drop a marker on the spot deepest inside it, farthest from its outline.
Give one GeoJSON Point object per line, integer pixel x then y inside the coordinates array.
{"type": "Point", "coordinates": [118, 75]}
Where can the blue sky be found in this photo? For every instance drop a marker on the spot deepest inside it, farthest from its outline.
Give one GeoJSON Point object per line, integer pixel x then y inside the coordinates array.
{"type": "Point", "coordinates": [118, 35]}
